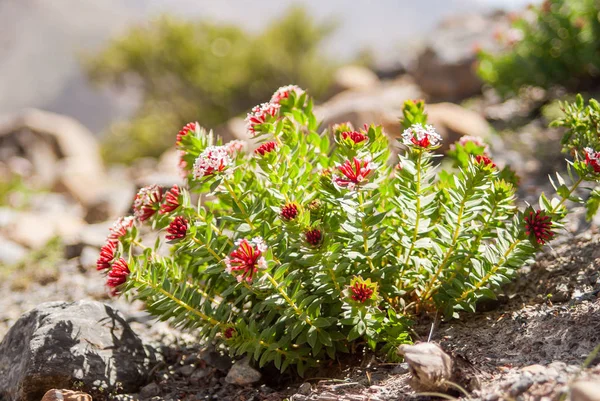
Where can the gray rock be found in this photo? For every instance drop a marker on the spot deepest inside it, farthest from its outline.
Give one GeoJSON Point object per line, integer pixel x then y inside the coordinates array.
{"type": "Point", "coordinates": [305, 389]}
{"type": "Point", "coordinates": [242, 374]}
{"type": "Point", "coordinates": [59, 343]}
{"type": "Point", "coordinates": [186, 370]}
{"type": "Point", "coordinates": [150, 390]}
{"type": "Point", "coordinates": [215, 359]}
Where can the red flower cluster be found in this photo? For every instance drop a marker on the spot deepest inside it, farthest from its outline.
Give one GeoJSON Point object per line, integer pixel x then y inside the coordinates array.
{"type": "Point", "coordinates": [119, 228]}
{"type": "Point", "coordinates": [190, 127]}
{"type": "Point", "coordinates": [314, 236]}
{"type": "Point", "coordinates": [284, 93]}
{"type": "Point", "coordinates": [147, 202]}
{"type": "Point", "coordinates": [107, 254]}
{"type": "Point", "coordinates": [539, 224]}
{"type": "Point", "coordinates": [260, 115]}
{"type": "Point", "coordinates": [171, 200]}
{"type": "Point", "coordinates": [592, 159]}
{"type": "Point", "coordinates": [177, 228]}
{"type": "Point", "coordinates": [482, 159]}
{"type": "Point", "coordinates": [361, 292]}
{"type": "Point", "coordinates": [355, 172]}
{"type": "Point", "coordinates": [355, 136]}
{"type": "Point", "coordinates": [247, 259]}
{"type": "Point", "coordinates": [289, 211]}
{"type": "Point", "coordinates": [265, 148]}
{"type": "Point", "coordinates": [118, 274]}
{"type": "Point", "coordinates": [229, 332]}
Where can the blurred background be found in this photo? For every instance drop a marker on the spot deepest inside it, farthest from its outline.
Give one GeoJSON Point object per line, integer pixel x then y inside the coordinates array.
{"type": "Point", "coordinates": [93, 93]}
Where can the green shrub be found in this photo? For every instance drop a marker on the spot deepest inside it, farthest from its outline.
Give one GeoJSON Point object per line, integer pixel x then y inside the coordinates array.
{"type": "Point", "coordinates": [556, 45]}
{"type": "Point", "coordinates": [190, 70]}
{"type": "Point", "coordinates": [315, 244]}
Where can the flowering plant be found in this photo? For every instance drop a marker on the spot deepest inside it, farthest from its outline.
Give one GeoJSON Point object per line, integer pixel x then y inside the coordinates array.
{"type": "Point", "coordinates": [317, 243]}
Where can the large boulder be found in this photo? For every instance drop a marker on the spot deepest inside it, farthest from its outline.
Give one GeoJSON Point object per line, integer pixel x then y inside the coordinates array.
{"type": "Point", "coordinates": [445, 70]}
{"type": "Point", "coordinates": [59, 344]}
{"type": "Point", "coordinates": [63, 154]}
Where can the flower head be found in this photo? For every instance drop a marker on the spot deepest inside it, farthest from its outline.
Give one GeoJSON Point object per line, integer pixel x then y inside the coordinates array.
{"type": "Point", "coordinates": [592, 159]}
{"type": "Point", "coordinates": [177, 228]}
{"type": "Point", "coordinates": [539, 226]}
{"type": "Point", "coordinates": [486, 161]}
{"type": "Point", "coordinates": [189, 127]}
{"type": "Point", "coordinates": [171, 200]}
{"type": "Point", "coordinates": [289, 211]}
{"type": "Point", "coordinates": [354, 173]}
{"type": "Point", "coordinates": [314, 236]}
{"type": "Point", "coordinates": [361, 290]}
{"type": "Point", "coordinates": [120, 227]}
{"type": "Point", "coordinates": [214, 159]}
{"type": "Point", "coordinates": [265, 148]}
{"type": "Point", "coordinates": [229, 332]}
{"type": "Point", "coordinates": [246, 259]}
{"type": "Point", "coordinates": [340, 128]}
{"type": "Point", "coordinates": [118, 273]}
{"type": "Point", "coordinates": [284, 93]}
{"type": "Point", "coordinates": [354, 136]}
{"type": "Point", "coordinates": [475, 140]}
{"type": "Point", "coordinates": [147, 202]}
{"type": "Point", "coordinates": [421, 136]}
{"type": "Point", "coordinates": [234, 147]}
{"type": "Point", "coordinates": [260, 115]}
{"type": "Point", "coordinates": [107, 254]}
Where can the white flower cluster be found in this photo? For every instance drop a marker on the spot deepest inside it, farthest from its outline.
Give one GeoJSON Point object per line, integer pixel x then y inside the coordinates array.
{"type": "Point", "coordinates": [424, 136]}
{"type": "Point", "coordinates": [284, 92]}
{"type": "Point", "coordinates": [214, 159]}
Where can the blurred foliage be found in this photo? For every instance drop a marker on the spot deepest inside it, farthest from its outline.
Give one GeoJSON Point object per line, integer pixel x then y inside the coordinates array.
{"type": "Point", "coordinates": [556, 43]}
{"type": "Point", "coordinates": [199, 71]}
{"type": "Point", "coordinates": [15, 191]}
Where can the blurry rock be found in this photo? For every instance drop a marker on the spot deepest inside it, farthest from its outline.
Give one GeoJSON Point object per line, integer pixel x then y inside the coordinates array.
{"type": "Point", "coordinates": [452, 121]}
{"type": "Point", "coordinates": [233, 129]}
{"type": "Point", "coordinates": [150, 390]}
{"type": "Point", "coordinates": [242, 374]}
{"type": "Point", "coordinates": [88, 257]}
{"type": "Point", "coordinates": [353, 77]}
{"type": "Point", "coordinates": [216, 359]}
{"type": "Point", "coordinates": [380, 105]}
{"type": "Point", "coordinates": [35, 229]}
{"type": "Point", "coordinates": [59, 343]}
{"type": "Point", "coordinates": [585, 391]}
{"type": "Point", "coordinates": [93, 235]}
{"type": "Point", "coordinates": [66, 395]}
{"type": "Point", "coordinates": [11, 252]}
{"type": "Point", "coordinates": [7, 216]}
{"type": "Point", "coordinates": [445, 70]}
{"type": "Point", "coordinates": [63, 153]}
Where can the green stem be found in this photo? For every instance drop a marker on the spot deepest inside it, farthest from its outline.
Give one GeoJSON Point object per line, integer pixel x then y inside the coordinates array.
{"type": "Point", "coordinates": [239, 204]}
{"type": "Point", "coordinates": [285, 296]}
{"type": "Point", "coordinates": [417, 210]}
{"type": "Point", "coordinates": [364, 231]}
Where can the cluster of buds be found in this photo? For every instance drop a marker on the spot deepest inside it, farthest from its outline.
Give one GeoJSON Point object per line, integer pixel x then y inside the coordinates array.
{"type": "Point", "coordinates": [190, 127]}
{"type": "Point", "coordinates": [361, 290]}
{"type": "Point", "coordinates": [245, 261]}
{"type": "Point", "coordinates": [313, 237]}
{"type": "Point", "coordinates": [265, 148]}
{"type": "Point", "coordinates": [177, 229]}
{"type": "Point", "coordinates": [485, 160]}
{"type": "Point", "coordinates": [172, 200]}
{"type": "Point", "coordinates": [289, 211]}
{"type": "Point", "coordinates": [422, 136]}
{"type": "Point", "coordinates": [539, 226]}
